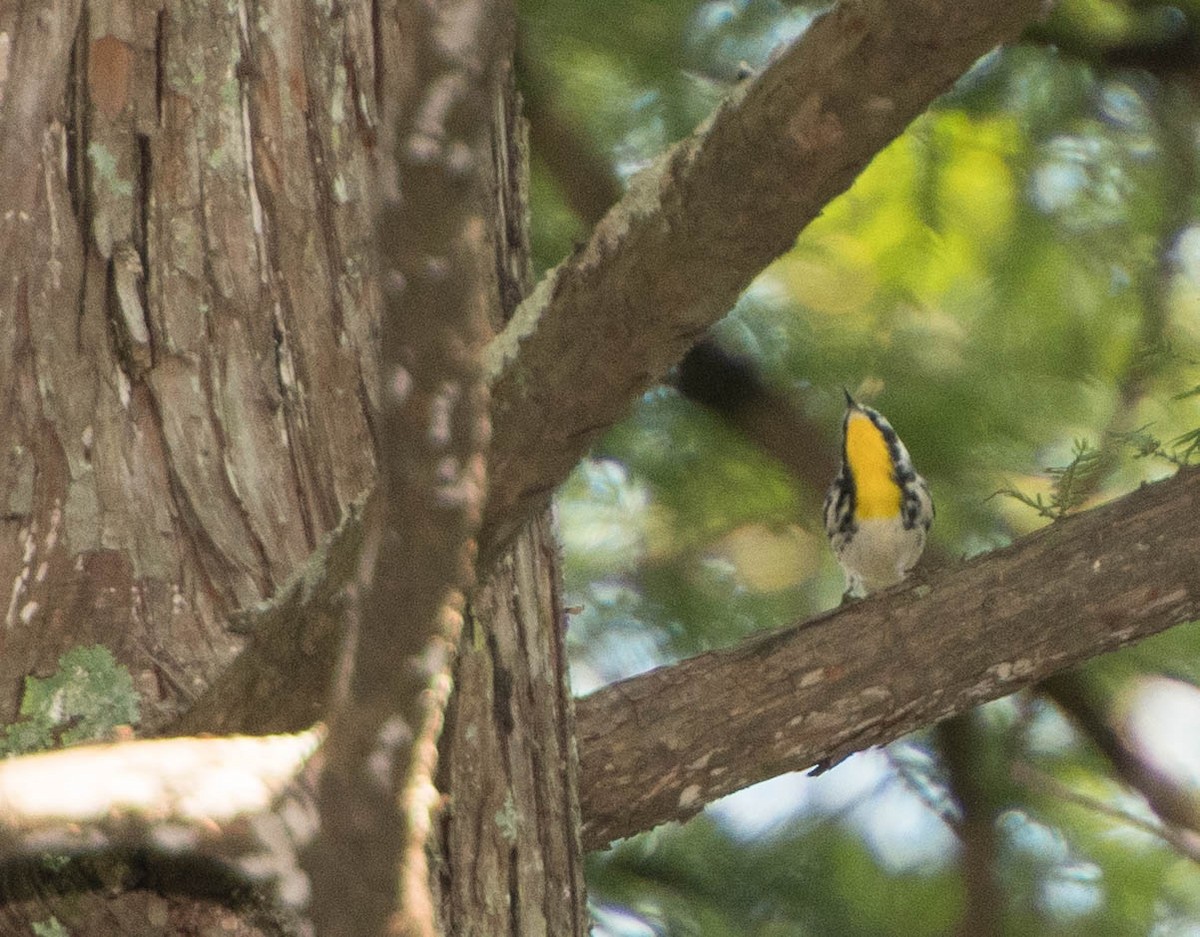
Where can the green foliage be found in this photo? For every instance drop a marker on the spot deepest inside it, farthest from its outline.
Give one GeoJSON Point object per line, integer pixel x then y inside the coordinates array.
{"type": "Point", "coordinates": [1185, 447]}
{"type": "Point", "coordinates": [669, 560]}
{"type": "Point", "coordinates": [85, 699]}
{"type": "Point", "coordinates": [54, 862]}
{"type": "Point", "coordinates": [1070, 484]}
{"type": "Point", "coordinates": [1179, 451]}
{"type": "Point", "coordinates": [49, 928]}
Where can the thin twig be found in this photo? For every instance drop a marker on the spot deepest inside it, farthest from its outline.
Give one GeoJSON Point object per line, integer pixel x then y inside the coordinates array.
{"type": "Point", "coordinates": [1186, 842]}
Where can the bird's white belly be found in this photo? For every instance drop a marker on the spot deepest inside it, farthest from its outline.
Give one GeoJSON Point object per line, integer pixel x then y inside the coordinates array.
{"type": "Point", "coordinates": [880, 553]}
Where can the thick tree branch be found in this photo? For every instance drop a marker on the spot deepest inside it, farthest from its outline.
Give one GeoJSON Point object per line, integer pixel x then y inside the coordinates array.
{"type": "Point", "coordinates": [660, 746]}
{"type": "Point", "coordinates": [692, 232]}
{"type": "Point", "coordinates": [280, 683]}
{"type": "Point", "coordinates": [211, 803]}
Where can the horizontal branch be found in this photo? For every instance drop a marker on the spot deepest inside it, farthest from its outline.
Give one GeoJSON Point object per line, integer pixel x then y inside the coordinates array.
{"type": "Point", "coordinates": [693, 230]}
{"type": "Point", "coordinates": [187, 798]}
{"type": "Point", "coordinates": [660, 746]}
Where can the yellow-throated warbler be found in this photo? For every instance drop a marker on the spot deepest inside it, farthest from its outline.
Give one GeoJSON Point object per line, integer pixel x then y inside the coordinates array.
{"type": "Point", "coordinates": [878, 508]}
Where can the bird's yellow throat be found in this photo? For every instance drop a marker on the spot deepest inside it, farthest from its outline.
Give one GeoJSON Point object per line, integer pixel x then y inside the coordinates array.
{"type": "Point", "coordinates": [876, 492]}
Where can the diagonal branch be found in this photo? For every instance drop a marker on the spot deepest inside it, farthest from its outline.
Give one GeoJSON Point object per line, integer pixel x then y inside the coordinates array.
{"type": "Point", "coordinates": [692, 232]}
{"type": "Point", "coordinates": [1173, 802]}
{"type": "Point", "coordinates": [1183, 840]}
{"type": "Point", "coordinates": [660, 746]}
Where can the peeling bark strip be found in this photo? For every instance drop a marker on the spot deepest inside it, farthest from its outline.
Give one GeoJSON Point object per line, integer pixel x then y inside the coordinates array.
{"type": "Point", "coordinates": [375, 791]}
{"type": "Point", "coordinates": [38, 37]}
{"type": "Point", "coordinates": [695, 229]}
{"type": "Point", "coordinates": [660, 746]}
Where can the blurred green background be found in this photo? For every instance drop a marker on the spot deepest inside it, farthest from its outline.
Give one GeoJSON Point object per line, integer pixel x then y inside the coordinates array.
{"type": "Point", "coordinates": [1013, 280]}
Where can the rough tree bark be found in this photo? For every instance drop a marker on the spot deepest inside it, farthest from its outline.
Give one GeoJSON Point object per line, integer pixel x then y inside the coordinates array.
{"type": "Point", "coordinates": [186, 346]}
{"type": "Point", "coordinates": [187, 327]}
{"type": "Point", "coordinates": [606, 324]}
{"type": "Point", "coordinates": [186, 349]}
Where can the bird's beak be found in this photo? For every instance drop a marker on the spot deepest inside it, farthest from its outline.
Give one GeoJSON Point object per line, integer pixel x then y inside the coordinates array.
{"type": "Point", "coordinates": [850, 401]}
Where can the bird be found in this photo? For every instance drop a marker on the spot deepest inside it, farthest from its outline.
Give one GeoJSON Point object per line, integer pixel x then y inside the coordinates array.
{"type": "Point", "coordinates": [878, 509]}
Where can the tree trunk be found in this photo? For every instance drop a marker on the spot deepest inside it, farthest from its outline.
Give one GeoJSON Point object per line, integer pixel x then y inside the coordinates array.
{"type": "Point", "coordinates": [187, 319]}
{"type": "Point", "coordinates": [510, 854]}
{"type": "Point", "coordinates": [186, 339]}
